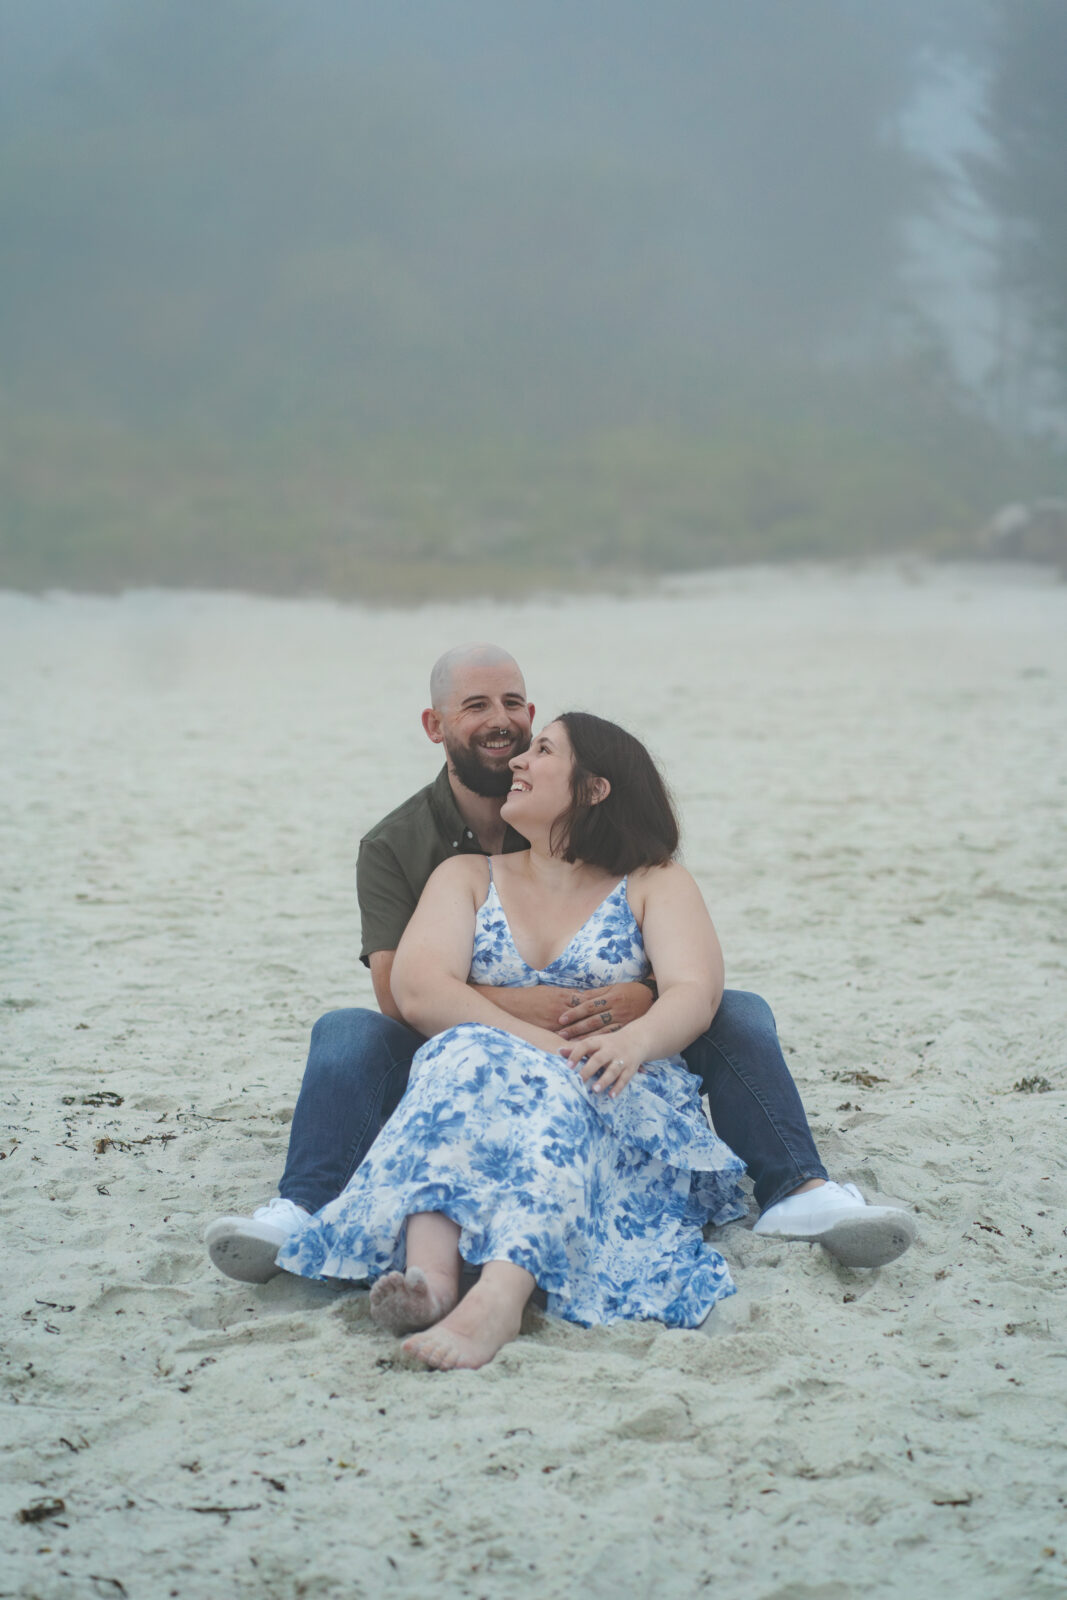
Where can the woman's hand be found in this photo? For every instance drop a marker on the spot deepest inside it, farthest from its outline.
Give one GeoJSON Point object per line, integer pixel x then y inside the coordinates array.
{"type": "Point", "coordinates": [600, 1011]}
{"type": "Point", "coordinates": [611, 1060]}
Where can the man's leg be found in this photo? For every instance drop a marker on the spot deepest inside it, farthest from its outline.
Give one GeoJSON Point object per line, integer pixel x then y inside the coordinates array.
{"type": "Point", "coordinates": [357, 1069]}
{"type": "Point", "coordinates": [756, 1109]}
{"type": "Point", "coordinates": [754, 1102]}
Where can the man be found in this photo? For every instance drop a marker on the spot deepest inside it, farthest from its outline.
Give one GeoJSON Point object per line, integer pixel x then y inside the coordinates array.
{"type": "Point", "coordinates": [359, 1059]}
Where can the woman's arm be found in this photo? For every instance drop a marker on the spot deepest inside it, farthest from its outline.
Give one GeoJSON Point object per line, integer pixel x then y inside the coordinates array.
{"type": "Point", "coordinates": [684, 950]}
{"type": "Point", "coordinates": [429, 973]}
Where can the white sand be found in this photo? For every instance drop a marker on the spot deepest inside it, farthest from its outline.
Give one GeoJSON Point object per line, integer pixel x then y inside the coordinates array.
{"type": "Point", "coordinates": [872, 771]}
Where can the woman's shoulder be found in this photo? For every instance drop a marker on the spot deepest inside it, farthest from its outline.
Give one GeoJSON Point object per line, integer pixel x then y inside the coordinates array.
{"type": "Point", "coordinates": [646, 885]}
{"type": "Point", "coordinates": [461, 871]}
{"type": "Point", "coordinates": [671, 873]}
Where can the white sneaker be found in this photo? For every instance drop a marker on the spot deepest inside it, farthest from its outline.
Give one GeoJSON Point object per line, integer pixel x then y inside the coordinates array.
{"type": "Point", "coordinates": [245, 1247]}
{"type": "Point", "coordinates": [837, 1217]}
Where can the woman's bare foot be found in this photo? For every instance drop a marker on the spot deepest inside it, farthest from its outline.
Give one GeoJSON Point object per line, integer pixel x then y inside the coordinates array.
{"type": "Point", "coordinates": [400, 1302]}
{"type": "Point", "coordinates": [487, 1318]}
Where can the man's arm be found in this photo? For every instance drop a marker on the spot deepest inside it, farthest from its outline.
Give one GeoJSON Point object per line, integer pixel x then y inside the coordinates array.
{"type": "Point", "coordinates": [573, 1014]}
{"type": "Point", "coordinates": [381, 971]}
{"type": "Point", "coordinates": [386, 901]}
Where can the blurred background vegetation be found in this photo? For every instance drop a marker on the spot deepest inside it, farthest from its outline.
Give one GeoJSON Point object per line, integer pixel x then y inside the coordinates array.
{"type": "Point", "coordinates": [402, 300]}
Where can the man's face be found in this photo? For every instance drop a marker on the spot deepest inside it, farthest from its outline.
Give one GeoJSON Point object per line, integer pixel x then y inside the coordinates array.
{"type": "Point", "coordinates": [483, 723]}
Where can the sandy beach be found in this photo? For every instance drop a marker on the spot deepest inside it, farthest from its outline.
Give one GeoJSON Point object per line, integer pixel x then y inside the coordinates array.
{"type": "Point", "coordinates": [872, 773]}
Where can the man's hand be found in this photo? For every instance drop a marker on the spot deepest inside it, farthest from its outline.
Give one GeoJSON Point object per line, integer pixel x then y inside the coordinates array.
{"type": "Point", "coordinates": [573, 1013]}
{"type": "Point", "coordinates": [596, 1011]}
{"type": "Point", "coordinates": [539, 1005]}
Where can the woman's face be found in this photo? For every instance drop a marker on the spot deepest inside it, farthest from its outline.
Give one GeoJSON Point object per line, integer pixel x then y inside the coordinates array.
{"type": "Point", "coordinates": [541, 784]}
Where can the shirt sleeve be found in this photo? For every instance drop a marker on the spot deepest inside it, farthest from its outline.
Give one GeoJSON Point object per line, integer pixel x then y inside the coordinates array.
{"type": "Point", "coordinates": [386, 898]}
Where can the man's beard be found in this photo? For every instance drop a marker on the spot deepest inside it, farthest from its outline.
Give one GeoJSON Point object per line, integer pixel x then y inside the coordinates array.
{"type": "Point", "coordinates": [492, 783]}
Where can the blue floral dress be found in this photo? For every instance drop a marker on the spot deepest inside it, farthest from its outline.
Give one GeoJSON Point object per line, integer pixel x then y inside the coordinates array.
{"type": "Point", "coordinates": [601, 1200]}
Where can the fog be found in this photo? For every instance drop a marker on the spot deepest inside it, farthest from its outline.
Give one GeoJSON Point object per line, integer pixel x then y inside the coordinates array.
{"type": "Point", "coordinates": [292, 291]}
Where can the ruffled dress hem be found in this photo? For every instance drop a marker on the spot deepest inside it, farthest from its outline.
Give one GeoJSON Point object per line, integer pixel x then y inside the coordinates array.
{"type": "Point", "coordinates": [602, 1200]}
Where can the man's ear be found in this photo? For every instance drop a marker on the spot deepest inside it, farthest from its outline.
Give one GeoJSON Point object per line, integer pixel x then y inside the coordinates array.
{"type": "Point", "coordinates": [531, 709]}
{"type": "Point", "coordinates": [432, 724]}
{"type": "Point", "coordinates": [600, 790]}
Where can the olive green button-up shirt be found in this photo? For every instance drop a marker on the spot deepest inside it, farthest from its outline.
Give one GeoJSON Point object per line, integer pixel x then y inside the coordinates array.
{"type": "Point", "coordinates": [399, 853]}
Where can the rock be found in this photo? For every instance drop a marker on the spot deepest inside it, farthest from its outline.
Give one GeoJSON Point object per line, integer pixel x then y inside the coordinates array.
{"type": "Point", "coordinates": [1033, 532]}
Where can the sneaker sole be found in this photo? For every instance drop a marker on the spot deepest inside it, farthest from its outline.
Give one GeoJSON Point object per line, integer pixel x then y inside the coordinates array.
{"type": "Point", "coordinates": [869, 1241]}
{"type": "Point", "coordinates": [240, 1250]}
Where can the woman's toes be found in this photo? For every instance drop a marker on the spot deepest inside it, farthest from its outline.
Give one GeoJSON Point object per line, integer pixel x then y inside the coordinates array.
{"type": "Point", "coordinates": [401, 1301]}
{"type": "Point", "coordinates": [431, 1349]}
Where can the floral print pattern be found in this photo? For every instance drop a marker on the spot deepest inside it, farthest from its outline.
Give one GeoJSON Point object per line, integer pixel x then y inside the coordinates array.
{"type": "Point", "coordinates": [602, 1200]}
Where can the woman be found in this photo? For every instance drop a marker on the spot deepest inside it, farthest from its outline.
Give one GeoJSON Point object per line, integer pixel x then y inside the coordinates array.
{"type": "Point", "coordinates": [587, 1169]}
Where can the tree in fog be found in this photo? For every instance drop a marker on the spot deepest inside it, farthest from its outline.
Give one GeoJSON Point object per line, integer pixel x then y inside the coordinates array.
{"type": "Point", "coordinates": [304, 291]}
{"type": "Point", "coordinates": [1024, 179]}
{"type": "Point", "coordinates": [555, 214]}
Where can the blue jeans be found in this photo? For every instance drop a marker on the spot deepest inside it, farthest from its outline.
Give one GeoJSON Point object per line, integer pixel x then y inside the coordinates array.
{"type": "Point", "coordinates": [358, 1065]}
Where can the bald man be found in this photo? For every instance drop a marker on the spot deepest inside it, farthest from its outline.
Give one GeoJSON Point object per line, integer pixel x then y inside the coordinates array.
{"type": "Point", "coordinates": [359, 1059]}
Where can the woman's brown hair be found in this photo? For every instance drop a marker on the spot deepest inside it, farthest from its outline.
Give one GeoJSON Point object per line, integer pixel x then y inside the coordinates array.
{"type": "Point", "coordinates": [635, 825]}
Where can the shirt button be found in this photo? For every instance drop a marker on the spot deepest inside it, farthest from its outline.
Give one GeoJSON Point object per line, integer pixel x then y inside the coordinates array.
{"type": "Point", "coordinates": [455, 844]}
{"type": "Point", "coordinates": [469, 834]}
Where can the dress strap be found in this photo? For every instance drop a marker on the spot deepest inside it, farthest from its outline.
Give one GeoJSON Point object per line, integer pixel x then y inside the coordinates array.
{"type": "Point", "coordinates": [489, 864]}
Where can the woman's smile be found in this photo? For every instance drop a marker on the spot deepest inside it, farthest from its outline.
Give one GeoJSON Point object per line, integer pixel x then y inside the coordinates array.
{"type": "Point", "coordinates": [549, 755]}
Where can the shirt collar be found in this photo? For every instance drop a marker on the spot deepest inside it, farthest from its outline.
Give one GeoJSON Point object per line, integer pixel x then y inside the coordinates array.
{"type": "Point", "coordinates": [449, 819]}
{"type": "Point", "coordinates": [446, 813]}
